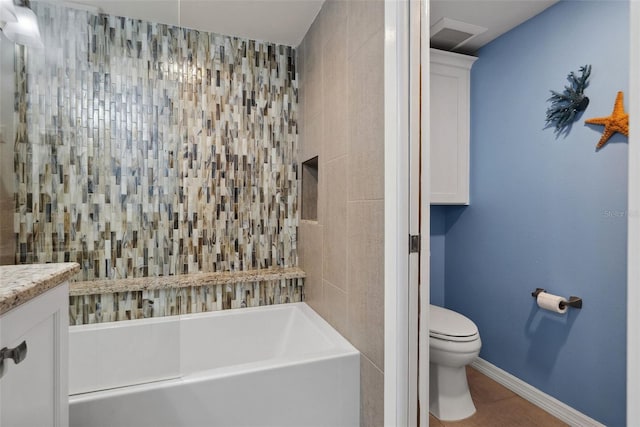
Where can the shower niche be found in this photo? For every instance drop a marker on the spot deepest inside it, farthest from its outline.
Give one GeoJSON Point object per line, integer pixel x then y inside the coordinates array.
{"type": "Point", "coordinates": [310, 189]}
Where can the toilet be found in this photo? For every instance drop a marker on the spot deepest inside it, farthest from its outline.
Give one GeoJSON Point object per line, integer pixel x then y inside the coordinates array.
{"type": "Point", "coordinates": [454, 342]}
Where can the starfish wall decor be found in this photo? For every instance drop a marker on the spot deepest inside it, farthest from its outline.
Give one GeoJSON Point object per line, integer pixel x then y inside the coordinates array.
{"type": "Point", "coordinates": [618, 122]}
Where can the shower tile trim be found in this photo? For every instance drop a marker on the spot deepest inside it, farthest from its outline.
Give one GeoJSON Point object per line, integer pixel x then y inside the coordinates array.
{"type": "Point", "coordinates": [93, 287]}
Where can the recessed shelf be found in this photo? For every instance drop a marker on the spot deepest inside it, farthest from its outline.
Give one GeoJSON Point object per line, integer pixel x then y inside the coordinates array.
{"type": "Point", "coordinates": [310, 189]}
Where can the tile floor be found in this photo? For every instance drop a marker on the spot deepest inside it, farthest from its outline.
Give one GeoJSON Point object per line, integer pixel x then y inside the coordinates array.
{"type": "Point", "coordinates": [498, 406]}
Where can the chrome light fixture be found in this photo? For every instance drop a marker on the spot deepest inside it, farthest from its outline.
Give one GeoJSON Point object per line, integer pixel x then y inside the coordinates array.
{"type": "Point", "coordinates": [24, 30]}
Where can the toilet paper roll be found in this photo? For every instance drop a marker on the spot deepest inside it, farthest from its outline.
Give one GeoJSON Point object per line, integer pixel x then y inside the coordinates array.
{"type": "Point", "coordinates": [552, 302]}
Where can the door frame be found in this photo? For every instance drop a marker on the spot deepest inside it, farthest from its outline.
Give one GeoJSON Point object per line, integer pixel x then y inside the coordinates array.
{"type": "Point", "coordinates": [424, 118]}
{"type": "Point", "coordinates": [396, 214]}
{"type": "Point", "coordinates": [404, 41]}
{"type": "Point", "coordinates": [633, 221]}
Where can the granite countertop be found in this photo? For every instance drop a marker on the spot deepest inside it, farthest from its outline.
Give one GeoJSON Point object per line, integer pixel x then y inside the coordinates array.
{"type": "Point", "coordinates": [21, 283]}
{"type": "Point", "coordinates": [93, 287]}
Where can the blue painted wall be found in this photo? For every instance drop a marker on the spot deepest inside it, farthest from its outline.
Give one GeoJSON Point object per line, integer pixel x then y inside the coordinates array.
{"type": "Point", "coordinates": [437, 248]}
{"type": "Point", "coordinates": [547, 212]}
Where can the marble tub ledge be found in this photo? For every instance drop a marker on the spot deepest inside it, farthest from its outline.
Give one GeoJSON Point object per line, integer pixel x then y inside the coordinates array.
{"type": "Point", "coordinates": [93, 287]}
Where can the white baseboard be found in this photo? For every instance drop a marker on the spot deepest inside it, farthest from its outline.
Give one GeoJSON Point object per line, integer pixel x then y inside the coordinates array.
{"type": "Point", "coordinates": [542, 400]}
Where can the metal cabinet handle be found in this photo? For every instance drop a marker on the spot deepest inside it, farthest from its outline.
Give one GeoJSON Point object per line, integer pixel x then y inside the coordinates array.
{"type": "Point", "coordinates": [18, 354]}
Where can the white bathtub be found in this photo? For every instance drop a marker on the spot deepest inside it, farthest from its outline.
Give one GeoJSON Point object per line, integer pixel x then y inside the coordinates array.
{"type": "Point", "coordinates": [278, 365]}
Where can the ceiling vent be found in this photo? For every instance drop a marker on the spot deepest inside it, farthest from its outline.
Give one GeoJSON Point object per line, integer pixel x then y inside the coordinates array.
{"type": "Point", "coordinates": [448, 34]}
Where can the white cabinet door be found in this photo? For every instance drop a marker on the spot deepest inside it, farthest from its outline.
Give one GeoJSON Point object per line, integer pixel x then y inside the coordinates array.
{"type": "Point", "coordinates": [33, 393]}
{"type": "Point", "coordinates": [450, 92]}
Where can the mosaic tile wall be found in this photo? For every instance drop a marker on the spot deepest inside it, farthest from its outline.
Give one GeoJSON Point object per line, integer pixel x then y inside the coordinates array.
{"type": "Point", "coordinates": [144, 149]}
{"type": "Point", "coordinates": [86, 309]}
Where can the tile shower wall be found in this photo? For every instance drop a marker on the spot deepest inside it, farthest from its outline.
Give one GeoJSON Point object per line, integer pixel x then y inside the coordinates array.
{"type": "Point", "coordinates": [342, 115]}
{"type": "Point", "coordinates": [7, 84]}
{"type": "Point", "coordinates": [144, 149]}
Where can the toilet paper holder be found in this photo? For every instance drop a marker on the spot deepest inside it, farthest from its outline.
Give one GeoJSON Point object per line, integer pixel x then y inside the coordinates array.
{"type": "Point", "coordinates": [575, 302]}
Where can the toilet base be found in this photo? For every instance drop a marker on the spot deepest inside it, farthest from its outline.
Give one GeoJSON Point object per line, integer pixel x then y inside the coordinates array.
{"type": "Point", "coordinates": [449, 397]}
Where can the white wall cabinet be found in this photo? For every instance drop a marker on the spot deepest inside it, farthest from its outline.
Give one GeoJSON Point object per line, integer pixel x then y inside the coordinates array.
{"type": "Point", "coordinates": [450, 122]}
{"type": "Point", "coordinates": [34, 392]}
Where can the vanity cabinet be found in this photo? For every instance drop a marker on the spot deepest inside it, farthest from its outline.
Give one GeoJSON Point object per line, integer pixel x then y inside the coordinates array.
{"type": "Point", "coordinates": [449, 128]}
{"type": "Point", "coordinates": [34, 332]}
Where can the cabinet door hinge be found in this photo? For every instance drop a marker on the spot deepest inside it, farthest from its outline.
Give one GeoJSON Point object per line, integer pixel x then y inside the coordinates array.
{"type": "Point", "coordinates": [414, 243]}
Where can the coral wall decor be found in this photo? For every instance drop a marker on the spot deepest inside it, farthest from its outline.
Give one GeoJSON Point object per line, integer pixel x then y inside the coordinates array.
{"type": "Point", "coordinates": [618, 122]}
{"type": "Point", "coordinates": [565, 106]}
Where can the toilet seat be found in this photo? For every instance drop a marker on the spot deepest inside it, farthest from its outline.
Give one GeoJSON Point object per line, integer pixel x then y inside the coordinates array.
{"type": "Point", "coordinates": [448, 325]}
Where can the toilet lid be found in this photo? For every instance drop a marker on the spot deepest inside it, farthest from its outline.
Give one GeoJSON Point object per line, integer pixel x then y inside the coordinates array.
{"type": "Point", "coordinates": [449, 325]}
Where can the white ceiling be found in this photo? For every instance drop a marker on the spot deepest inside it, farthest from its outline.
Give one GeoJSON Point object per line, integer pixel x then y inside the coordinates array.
{"type": "Point", "coordinates": [498, 16]}
{"type": "Point", "coordinates": [287, 21]}
{"type": "Point", "coordinates": [278, 21]}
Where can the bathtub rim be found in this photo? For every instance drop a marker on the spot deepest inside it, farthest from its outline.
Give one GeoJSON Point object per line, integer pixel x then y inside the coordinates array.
{"type": "Point", "coordinates": [303, 306]}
